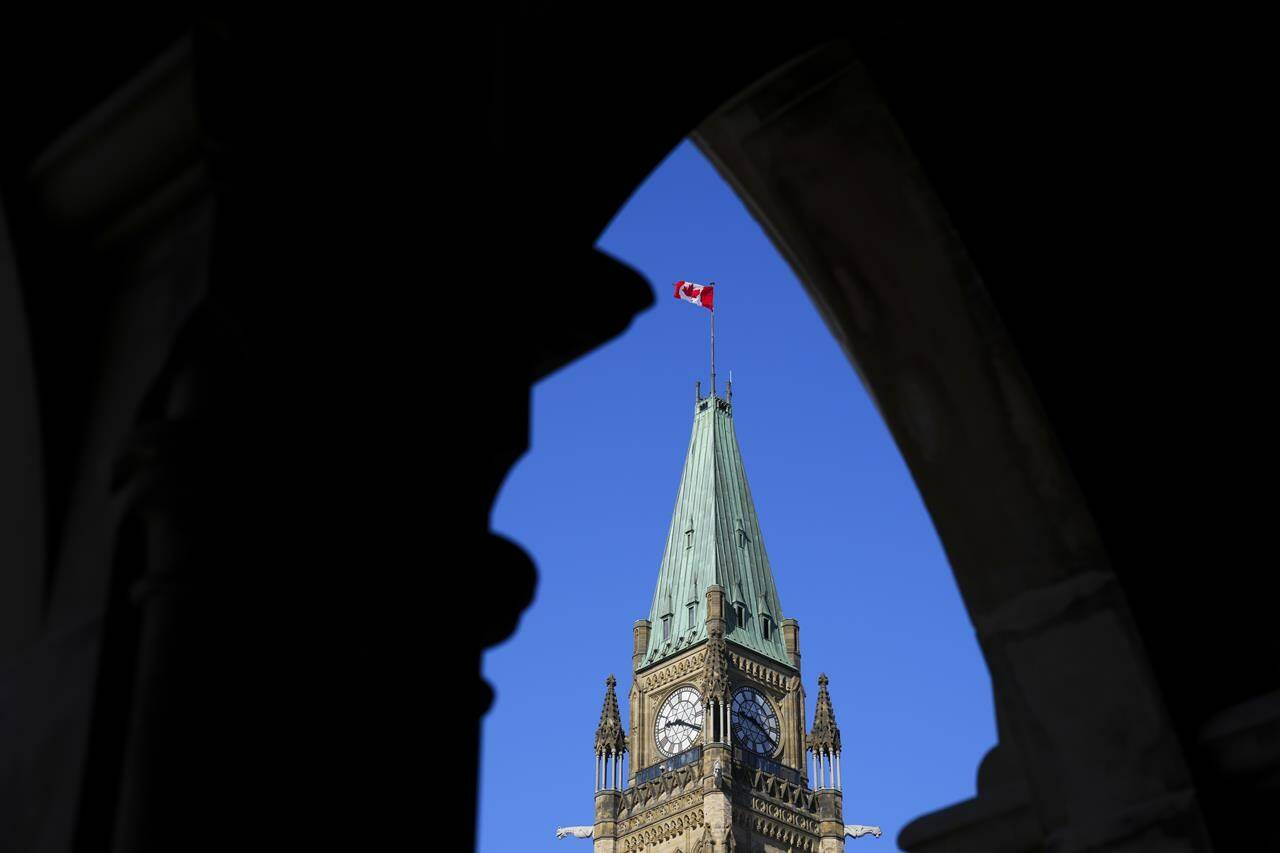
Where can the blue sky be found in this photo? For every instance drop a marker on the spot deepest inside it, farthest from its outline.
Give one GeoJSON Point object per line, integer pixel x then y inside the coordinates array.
{"type": "Point", "coordinates": [854, 554]}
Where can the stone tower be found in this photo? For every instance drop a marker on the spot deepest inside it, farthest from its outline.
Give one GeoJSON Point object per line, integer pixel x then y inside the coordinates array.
{"type": "Point", "coordinates": [719, 758]}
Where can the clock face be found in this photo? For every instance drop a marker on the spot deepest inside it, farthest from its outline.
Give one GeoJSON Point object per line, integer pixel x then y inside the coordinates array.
{"type": "Point", "coordinates": [679, 723]}
{"type": "Point", "coordinates": [755, 725]}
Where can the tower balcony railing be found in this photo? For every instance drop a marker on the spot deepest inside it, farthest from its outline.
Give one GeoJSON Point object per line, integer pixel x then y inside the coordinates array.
{"type": "Point", "coordinates": [675, 762]}
{"type": "Point", "coordinates": [759, 762]}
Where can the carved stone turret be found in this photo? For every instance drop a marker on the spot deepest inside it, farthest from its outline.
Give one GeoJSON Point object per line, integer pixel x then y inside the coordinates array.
{"type": "Point", "coordinates": [610, 738]}
{"type": "Point", "coordinates": [714, 684]}
{"type": "Point", "coordinates": [824, 737]}
{"type": "Point", "coordinates": [791, 640]}
{"type": "Point", "coordinates": [640, 643]}
{"type": "Point", "coordinates": [823, 744]}
{"type": "Point", "coordinates": [715, 675]}
{"type": "Point", "coordinates": [611, 746]}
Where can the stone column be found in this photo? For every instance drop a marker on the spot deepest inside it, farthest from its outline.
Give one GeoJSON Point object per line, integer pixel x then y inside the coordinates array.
{"type": "Point", "coordinates": [716, 806]}
{"type": "Point", "coordinates": [793, 751]}
{"type": "Point", "coordinates": [606, 827]}
{"type": "Point", "coordinates": [637, 742]}
{"type": "Point", "coordinates": [715, 675]}
{"type": "Point", "coordinates": [640, 644]}
{"type": "Point", "coordinates": [717, 809]}
{"type": "Point", "coordinates": [830, 821]}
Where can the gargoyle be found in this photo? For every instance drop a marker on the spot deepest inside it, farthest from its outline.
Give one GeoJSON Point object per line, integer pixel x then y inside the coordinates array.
{"type": "Point", "coordinates": [853, 830]}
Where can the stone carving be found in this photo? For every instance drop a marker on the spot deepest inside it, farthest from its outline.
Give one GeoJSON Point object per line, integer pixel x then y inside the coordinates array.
{"type": "Point", "coordinates": [574, 831]}
{"type": "Point", "coordinates": [664, 831]}
{"type": "Point", "coordinates": [793, 839]}
{"type": "Point", "coordinates": [854, 830]}
{"type": "Point", "coordinates": [784, 815]}
{"type": "Point", "coordinates": [780, 789]}
{"type": "Point", "coordinates": [715, 674]}
{"type": "Point", "coordinates": [717, 771]}
{"type": "Point", "coordinates": [658, 812]}
{"type": "Point", "coordinates": [671, 783]}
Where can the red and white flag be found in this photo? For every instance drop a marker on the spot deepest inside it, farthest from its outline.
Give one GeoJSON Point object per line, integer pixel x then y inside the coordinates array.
{"type": "Point", "coordinates": [698, 294]}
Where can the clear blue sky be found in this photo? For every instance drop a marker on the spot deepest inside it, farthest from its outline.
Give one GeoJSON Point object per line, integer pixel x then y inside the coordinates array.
{"type": "Point", "coordinates": [854, 553]}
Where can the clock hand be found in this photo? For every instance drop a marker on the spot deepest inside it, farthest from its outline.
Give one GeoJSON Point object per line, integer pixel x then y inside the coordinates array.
{"type": "Point", "coordinates": [751, 722]}
{"type": "Point", "coordinates": [682, 723]}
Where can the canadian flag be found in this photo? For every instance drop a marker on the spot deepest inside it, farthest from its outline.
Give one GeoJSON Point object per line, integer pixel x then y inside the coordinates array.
{"type": "Point", "coordinates": [698, 294]}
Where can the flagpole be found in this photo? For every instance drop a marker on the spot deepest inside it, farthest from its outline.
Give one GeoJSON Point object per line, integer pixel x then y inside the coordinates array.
{"type": "Point", "coordinates": [713, 348]}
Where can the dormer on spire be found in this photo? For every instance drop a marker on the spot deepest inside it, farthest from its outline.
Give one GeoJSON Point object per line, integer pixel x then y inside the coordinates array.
{"type": "Point", "coordinates": [691, 609]}
{"type": "Point", "coordinates": [611, 742]}
{"type": "Point", "coordinates": [823, 741]}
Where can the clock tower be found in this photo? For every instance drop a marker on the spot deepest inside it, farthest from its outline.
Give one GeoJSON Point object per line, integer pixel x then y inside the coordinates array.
{"type": "Point", "coordinates": [717, 758]}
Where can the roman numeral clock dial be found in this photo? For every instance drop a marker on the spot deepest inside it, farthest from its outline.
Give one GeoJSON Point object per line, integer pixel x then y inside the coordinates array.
{"type": "Point", "coordinates": [755, 723]}
{"type": "Point", "coordinates": [679, 723]}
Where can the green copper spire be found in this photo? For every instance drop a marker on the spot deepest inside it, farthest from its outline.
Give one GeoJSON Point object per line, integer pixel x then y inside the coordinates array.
{"type": "Point", "coordinates": [714, 539]}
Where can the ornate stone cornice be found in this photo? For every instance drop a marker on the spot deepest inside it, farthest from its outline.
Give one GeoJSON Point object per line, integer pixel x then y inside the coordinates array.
{"type": "Point", "coordinates": [657, 812]}
{"type": "Point", "coordinates": [675, 671]}
{"type": "Point", "coordinates": [792, 836]}
{"type": "Point", "coordinates": [664, 831]}
{"type": "Point", "coordinates": [763, 674]}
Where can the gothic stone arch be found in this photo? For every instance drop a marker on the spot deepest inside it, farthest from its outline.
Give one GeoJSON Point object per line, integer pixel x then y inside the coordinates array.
{"type": "Point", "coordinates": [878, 255]}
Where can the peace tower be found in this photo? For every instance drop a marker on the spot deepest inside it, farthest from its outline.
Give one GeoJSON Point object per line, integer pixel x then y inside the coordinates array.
{"type": "Point", "coordinates": [717, 758]}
